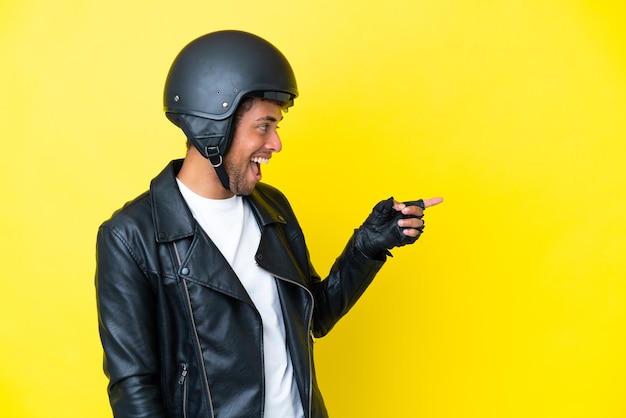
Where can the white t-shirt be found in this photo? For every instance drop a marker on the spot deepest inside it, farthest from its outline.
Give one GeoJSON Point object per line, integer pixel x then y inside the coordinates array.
{"type": "Point", "coordinates": [232, 227]}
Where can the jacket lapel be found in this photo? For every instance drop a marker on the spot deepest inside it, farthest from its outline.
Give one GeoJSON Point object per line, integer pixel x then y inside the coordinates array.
{"type": "Point", "coordinates": [274, 254]}
{"type": "Point", "coordinates": [172, 218]}
{"type": "Point", "coordinates": [201, 260]}
{"type": "Point", "coordinates": [207, 266]}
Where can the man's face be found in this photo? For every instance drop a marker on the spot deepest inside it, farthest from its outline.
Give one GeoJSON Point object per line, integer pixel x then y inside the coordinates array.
{"type": "Point", "coordinates": [254, 141]}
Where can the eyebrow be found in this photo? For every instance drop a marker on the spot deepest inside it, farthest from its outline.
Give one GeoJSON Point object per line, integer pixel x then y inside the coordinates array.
{"type": "Point", "coordinates": [269, 119]}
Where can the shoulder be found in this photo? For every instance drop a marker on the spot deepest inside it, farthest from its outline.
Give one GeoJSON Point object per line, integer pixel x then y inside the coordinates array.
{"type": "Point", "coordinates": [135, 215]}
{"type": "Point", "coordinates": [135, 208]}
{"type": "Point", "coordinates": [138, 213]}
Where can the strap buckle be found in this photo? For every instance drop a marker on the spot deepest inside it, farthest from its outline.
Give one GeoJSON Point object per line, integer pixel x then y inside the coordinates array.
{"type": "Point", "coordinates": [214, 156]}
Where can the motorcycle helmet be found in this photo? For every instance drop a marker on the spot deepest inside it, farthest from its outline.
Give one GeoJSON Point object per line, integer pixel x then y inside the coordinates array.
{"type": "Point", "coordinates": [208, 79]}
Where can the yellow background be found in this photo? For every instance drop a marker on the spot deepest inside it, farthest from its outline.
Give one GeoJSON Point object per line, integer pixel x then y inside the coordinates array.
{"type": "Point", "coordinates": [513, 304]}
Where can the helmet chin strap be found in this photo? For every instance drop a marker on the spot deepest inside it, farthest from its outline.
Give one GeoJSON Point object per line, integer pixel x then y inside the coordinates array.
{"type": "Point", "coordinates": [217, 161]}
{"type": "Point", "coordinates": [207, 135]}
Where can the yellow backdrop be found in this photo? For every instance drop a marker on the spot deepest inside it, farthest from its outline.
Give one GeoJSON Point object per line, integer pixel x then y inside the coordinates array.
{"type": "Point", "coordinates": [513, 304]}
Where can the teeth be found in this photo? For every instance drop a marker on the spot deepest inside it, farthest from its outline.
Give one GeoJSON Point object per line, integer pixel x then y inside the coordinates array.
{"type": "Point", "coordinates": [260, 160]}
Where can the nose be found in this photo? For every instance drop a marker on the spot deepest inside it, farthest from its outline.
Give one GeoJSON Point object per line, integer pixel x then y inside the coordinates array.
{"type": "Point", "coordinates": [274, 143]}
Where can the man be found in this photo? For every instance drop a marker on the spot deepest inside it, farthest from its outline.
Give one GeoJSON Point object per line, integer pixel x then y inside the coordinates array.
{"type": "Point", "coordinates": [207, 299]}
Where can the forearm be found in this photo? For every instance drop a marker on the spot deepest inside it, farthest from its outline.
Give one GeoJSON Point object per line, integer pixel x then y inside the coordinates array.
{"type": "Point", "coordinates": [349, 277]}
{"type": "Point", "coordinates": [391, 224]}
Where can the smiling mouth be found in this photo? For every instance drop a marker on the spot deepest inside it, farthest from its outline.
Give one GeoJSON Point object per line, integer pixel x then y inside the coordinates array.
{"type": "Point", "coordinates": [256, 165]}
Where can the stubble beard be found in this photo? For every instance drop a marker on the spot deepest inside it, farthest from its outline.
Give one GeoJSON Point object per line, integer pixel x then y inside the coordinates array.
{"type": "Point", "coordinates": [237, 180]}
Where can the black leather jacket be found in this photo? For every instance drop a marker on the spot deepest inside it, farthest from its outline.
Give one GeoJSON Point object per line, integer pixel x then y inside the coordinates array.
{"type": "Point", "coordinates": [181, 336]}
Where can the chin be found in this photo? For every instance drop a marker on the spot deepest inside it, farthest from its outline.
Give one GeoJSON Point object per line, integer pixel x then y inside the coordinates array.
{"type": "Point", "coordinates": [243, 191]}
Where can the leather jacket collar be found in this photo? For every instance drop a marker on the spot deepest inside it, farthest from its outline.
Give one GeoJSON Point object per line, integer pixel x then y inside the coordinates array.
{"type": "Point", "coordinates": [173, 219]}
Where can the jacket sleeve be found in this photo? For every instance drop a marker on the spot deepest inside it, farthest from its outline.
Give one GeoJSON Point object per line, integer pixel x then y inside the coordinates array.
{"type": "Point", "coordinates": [126, 312]}
{"type": "Point", "coordinates": [348, 278]}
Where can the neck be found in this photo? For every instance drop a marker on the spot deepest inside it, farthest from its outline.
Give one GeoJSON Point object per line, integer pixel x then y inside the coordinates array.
{"type": "Point", "coordinates": [200, 177]}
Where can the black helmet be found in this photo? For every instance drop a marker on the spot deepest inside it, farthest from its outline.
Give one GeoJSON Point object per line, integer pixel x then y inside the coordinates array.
{"type": "Point", "coordinates": [208, 79]}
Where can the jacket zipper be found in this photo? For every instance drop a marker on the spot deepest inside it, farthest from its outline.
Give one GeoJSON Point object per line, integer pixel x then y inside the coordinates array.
{"type": "Point", "coordinates": [195, 333]}
{"type": "Point", "coordinates": [308, 348]}
{"type": "Point", "coordinates": [183, 374]}
{"type": "Point", "coordinates": [183, 383]}
{"type": "Point", "coordinates": [206, 383]}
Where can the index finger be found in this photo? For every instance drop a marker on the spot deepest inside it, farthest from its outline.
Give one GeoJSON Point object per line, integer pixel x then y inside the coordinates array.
{"type": "Point", "coordinates": [432, 201]}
